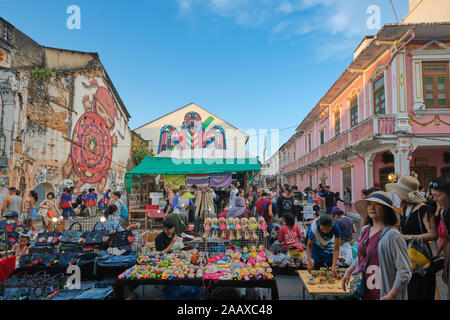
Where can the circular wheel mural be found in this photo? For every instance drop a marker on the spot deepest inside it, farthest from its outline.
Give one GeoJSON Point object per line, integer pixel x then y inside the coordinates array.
{"type": "Point", "coordinates": [91, 148]}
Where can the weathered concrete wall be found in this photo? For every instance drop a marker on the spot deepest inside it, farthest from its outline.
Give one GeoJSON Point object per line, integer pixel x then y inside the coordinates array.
{"type": "Point", "coordinates": [69, 130]}
{"type": "Point", "coordinates": [66, 132]}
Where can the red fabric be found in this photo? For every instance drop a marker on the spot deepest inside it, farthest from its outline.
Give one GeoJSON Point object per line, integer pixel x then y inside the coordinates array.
{"type": "Point", "coordinates": [7, 266]}
{"type": "Point", "coordinates": [260, 206]}
{"type": "Point", "coordinates": [289, 236]}
{"type": "Point", "coordinates": [223, 214]}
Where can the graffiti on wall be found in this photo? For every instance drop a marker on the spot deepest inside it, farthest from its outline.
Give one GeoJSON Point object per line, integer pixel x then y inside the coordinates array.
{"type": "Point", "coordinates": [59, 187]}
{"type": "Point", "coordinates": [192, 135]}
{"type": "Point", "coordinates": [41, 176]}
{"type": "Point", "coordinates": [92, 138]}
{"type": "Point", "coordinates": [112, 180]}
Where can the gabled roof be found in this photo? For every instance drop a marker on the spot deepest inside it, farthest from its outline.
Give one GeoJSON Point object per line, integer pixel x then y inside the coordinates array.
{"type": "Point", "coordinates": [185, 107]}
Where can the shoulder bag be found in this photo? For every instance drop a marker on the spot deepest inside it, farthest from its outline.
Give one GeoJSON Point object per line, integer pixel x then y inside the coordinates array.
{"type": "Point", "coordinates": [420, 253]}
{"type": "Point", "coordinates": [358, 284]}
{"type": "Point", "coordinates": [95, 237]}
{"type": "Point", "coordinates": [47, 238]}
{"type": "Point", "coordinates": [71, 236]}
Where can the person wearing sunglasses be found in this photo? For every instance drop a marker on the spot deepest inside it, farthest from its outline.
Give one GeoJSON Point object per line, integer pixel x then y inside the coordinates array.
{"type": "Point", "coordinates": [388, 270]}
{"type": "Point", "coordinates": [441, 194]}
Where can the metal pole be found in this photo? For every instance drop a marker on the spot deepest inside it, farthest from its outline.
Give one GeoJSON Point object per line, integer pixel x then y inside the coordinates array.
{"type": "Point", "coordinates": [204, 216]}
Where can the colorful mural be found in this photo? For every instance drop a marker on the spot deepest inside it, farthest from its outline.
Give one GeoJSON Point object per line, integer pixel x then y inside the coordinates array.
{"type": "Point", "coordinates": [92, 138]}
{"type": "Point", "coordinates": [192, 135]}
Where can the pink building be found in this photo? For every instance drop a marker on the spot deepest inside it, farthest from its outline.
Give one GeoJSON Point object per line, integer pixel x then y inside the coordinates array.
{"type": "Point", "coordinates": [393, 99]}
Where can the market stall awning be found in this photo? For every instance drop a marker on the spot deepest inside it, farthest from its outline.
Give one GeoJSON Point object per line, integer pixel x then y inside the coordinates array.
{"type": "Point", "coordinates": [173, 166]}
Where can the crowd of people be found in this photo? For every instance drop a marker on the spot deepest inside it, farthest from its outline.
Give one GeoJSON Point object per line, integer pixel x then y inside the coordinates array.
{"type": "Point", "coordinates": [402, 244]}
{"type": "Point", "coordinates": [403, 240]}
{"type": "Point", "coordinates": [22, 214]}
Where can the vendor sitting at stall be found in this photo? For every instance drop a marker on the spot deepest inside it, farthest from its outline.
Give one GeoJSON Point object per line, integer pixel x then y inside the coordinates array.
{"type": "Point", "coordinates": [239, 210]}
{"type": "Point", "coordinates": [323, 244]}
{"type": "Point", "coordinates": [167, 238]}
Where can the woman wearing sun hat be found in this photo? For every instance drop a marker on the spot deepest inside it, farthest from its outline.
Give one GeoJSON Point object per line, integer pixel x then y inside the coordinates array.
{"type": "Point", "coordinates": [416, 224]}
{"type": "Point", "coordinates": [388, 270]}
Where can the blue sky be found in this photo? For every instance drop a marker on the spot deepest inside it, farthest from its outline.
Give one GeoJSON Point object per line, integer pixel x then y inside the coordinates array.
{"type": "Point", "coordinates": [258, 64]}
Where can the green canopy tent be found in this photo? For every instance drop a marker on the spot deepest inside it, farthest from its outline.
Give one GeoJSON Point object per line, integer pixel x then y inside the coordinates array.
{"type": "Point", "coordinates": [186, 166]}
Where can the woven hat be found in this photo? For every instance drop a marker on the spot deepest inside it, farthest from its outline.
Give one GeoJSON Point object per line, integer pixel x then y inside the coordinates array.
{"type": "Point", "coordinates": [407, 189]}
{"type": "Point", "coordinates": [381, 197]}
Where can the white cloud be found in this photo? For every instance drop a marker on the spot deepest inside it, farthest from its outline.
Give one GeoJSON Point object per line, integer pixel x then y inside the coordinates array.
{"type": "Point", "coordinates": [285, 7]}
{"type": "Point", "coordinates": [293, 18]}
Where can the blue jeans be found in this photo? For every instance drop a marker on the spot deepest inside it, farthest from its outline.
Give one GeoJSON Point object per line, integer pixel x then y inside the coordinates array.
{"type": "Point", "coordinates": [66, 212]}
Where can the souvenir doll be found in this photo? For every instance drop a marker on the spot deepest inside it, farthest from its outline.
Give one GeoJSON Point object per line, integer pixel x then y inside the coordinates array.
{"type": "Point", "coordinates": [207, 227]}
{"type": "Point", "coordinates": [245, 228]}
{"type": "Point", "coordinates": [214, 228]}
{"type": "Point", "coordinates": [223, 227]}
{"type": "Point", "coordinates": [237, 228]}
{"type": "Point", "coordinates": [253, 227]}
{"type": "Point", "coordinates": [263, 227]}
{"type": "Point", "coordinates": [230, 222]}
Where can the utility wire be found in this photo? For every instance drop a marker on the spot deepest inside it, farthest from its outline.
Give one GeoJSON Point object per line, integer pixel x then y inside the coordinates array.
{"type": "Point", "coordinates": [395, 13]}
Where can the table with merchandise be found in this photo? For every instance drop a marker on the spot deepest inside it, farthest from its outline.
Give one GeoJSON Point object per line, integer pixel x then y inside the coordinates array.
{"type": "Point", "coordinates": [246, 268]}
{"type": "Point", "coordinates": [322, 283]}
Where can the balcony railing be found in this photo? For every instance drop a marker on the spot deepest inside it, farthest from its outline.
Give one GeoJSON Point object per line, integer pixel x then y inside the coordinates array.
{"type": "Point", "coordinates": [374, 125]}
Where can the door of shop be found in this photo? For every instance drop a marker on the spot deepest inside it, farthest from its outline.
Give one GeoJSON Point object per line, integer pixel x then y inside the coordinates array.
{"type": "Point", "coordinates": [426, 175]}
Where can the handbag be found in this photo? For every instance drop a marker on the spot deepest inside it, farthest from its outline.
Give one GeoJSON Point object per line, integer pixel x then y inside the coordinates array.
{"type": "Point", "coordinates": [121, 238]}
{"type": "Point", "coordinates": [71, 236]}
{"type": "Point", "coordinates": [358, 284]}
{"type": "Point", "coordinates": [420, 254]}
{"type": "Point", "coordinates": [95, 237]}
{"type": "Point", "coordinates": [51, 214]}
{"type": "Point", "coordinates": [48, 238]}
